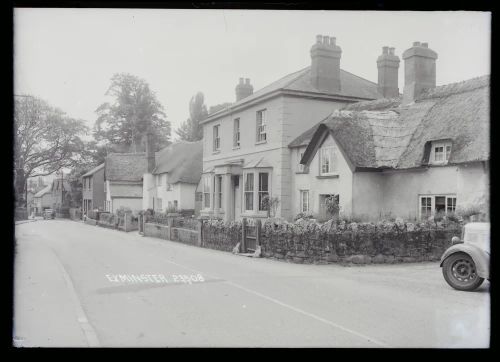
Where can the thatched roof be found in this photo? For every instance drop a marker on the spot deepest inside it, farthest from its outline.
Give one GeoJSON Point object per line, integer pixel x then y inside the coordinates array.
{"type": "Point", "coordinates": [351, 86]}
{"type": "Point", "coordinates": [125, 167]}
{"type": "Point", "coordinates": [386, 134]}
{"type": "Point", "coordinates": [182, 161]}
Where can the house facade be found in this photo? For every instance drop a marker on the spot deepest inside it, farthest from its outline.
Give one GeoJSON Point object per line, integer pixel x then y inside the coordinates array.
{"type": "Point", "coordinates": [172, 184]}
{"type": "Point", "coordinates": [61, 193]}
{"type": "Point", "coordinates": [123, 180]}
{"type": "Point", "coordinates": [43, 199]}
{"type": "Point", "coordinates": [93, 189]}
{"type": "Point", "coordinates": [412, 156]}
{"type": "Point", "coordinates": [245, 149]}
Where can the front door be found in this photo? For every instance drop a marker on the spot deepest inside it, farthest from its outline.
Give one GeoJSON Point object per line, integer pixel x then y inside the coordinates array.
{"type": "Point", "coordinates": [236, 197]}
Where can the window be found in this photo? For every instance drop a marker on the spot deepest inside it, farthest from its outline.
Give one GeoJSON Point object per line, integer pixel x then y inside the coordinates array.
{"type": "Point", "coordinates": [437, 204]}
{"type": "Point", "coordinates": [236, 135]}
{"type": "Point", "coordinates": [216, 138]}
{"type": "Point", "coordinates": [249, 184]}
{"type": "Point", "coordinates": [175, 204]}
{"type": "Point", "coordinates": [218, 196]}
{"type": "Point", "coordinates": [304, 200]}
{"type": "Point", "coordinates": [263, 188]}
{"type": "Point", "coordinates": [261, 126]}
{"type": "Point", "coordinates": [425, 207]}
{"type": "Point", "coordinates": [301, 167]}
{"type": "Point", "coordinates": [158, 180]}
{"type": "Point", "coordinates": [169, 186]}
{"type": "Point", "coordinates": [158, 204]}
{"type": "Point", "coordinates": [451, 204]}
{"type": "Point", "coordinates": [206, 191]}
{"type": "Point", "coordinates": [327, 160]}
{"type": "Point", "coordinates": [440, 152]}
{"type": "Point", "coordinates": [198, 196]}
{"type": "Point", "coordinates": [90, 183]}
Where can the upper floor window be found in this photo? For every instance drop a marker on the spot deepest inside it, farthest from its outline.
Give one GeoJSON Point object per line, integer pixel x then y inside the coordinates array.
{"type": "Point", "coordinates": [261, 126]}
{"type": "Point", "coordinates": [300, 167]}
{"type": "Point", "coordinates": [328, 160]}
{"type": "Point", "coordinates": [216, 146]}
{"type": "Point", "coordinates": [236, 135]}
{"type": "Point", "coordinates": [158, 180]}
{"type": "Point", "coordinates": [440, 152]}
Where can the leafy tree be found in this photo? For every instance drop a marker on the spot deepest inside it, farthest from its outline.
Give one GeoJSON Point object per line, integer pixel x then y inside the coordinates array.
{"type": "Point", "coordinates": [45, 141]}
{"type": "Point", "coordinates": [133, 110]}
{"type": "Point", "coordinates": [191, 129]}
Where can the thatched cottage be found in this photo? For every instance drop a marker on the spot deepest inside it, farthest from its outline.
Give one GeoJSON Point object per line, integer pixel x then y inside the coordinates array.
{"type": "Point", "coordinates": [412, 156]}
{"type": "Point", "coordinates": [172, 183]}
{"type": "Point", "coordinates": [123, 180]}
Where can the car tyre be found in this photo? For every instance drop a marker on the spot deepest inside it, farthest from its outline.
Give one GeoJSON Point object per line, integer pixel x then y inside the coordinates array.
{"type": "Point", "coordinates": [459, 271]}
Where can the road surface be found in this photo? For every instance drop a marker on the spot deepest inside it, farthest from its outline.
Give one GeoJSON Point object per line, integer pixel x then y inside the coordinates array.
{"type": "Point", "coordinates": [79, 285]}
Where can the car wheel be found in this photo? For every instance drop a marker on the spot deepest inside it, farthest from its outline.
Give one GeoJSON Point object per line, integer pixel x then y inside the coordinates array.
{"type": "Point", "coordinates": [459, 271]}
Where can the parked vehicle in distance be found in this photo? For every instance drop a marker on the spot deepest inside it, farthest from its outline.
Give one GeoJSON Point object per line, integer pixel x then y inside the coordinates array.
{"type": "Point", "coordinates": [466, 263]}
{"type": "Point", "coordinates": [49, 214]}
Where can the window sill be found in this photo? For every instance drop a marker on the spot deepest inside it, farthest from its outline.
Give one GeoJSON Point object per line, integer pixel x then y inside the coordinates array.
{"type": "Point", "coordinates": [336, 175]}
{"type": "Point", "coordinates": [260, 142]}
{"type": "Point", "coordinates": [236, 148]}
{"type": "Point", "coordinates": [301, 172]}
{"type": "Point", "coordinates": [262, 214]}
{"type": "Point", "coordinates": [215, 152]}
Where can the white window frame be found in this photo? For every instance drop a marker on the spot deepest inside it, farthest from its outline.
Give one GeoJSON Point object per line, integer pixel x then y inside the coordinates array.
{"type": "Point", "coordinates": [261, 122]}
{"type": "Point", "coordinates": [304, 206]}
{"type": "Point", "coordinates": [262, 192]}
{"type": "Point", "coordinates": [245, 191]}
{"type": "Point", "coordinates": [256, 191]}
{"type": "Point", "coordinates": [236, 133]}
{"type": "Point", "coordinates": [216, 138]}
{"type": "Point", "coordinates": [332, 161]}
{"type": "Point", "coordinates": [207, 186]}
{"type": "Point", "coordinates": [301, 168]}
{"type": "Point", "coordinates": [218, 192]}
{"type": "Point", "coordinates": [450, 200]}
{"type": "Point", "coordinates": [446, 146]}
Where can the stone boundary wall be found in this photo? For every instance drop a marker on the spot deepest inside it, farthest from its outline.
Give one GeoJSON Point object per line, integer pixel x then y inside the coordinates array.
{"type": "Point", "coordinates": [157, 231]}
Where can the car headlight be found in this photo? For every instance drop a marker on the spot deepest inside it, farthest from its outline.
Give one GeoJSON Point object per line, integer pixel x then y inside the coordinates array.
{"type": "Point", "coordinates": [455, 240]}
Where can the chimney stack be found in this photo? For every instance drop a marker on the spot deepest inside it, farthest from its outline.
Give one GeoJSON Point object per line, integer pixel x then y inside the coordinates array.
{"type": "Point", "coordinates": [388, 66]}
{"type": "Point", "coordinates": [243, 89]}
{"type": "Point", "coordinates": [150, 151]}
{"type": "Point", "coordinates": [420, 70]}
{"type": "Point", "coordinates": [325, 64]}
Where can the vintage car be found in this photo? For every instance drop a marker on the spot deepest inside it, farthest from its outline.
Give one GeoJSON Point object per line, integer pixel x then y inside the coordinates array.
{"type": "Point", "coordinates": [49, 214]}
{"type": "Point", "coordinates": [466, 263]}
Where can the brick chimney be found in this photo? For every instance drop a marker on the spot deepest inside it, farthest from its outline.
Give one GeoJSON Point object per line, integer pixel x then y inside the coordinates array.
{"type": "Point", "coordinates": [243, 89]}
{"type": "Point", "coordinates": [420, 70]}
{"type": "Point", "coordinates": [150, 151]}
{"type": "Point", "coordinates": [325, 64]}
{"type": "Point", "coordinates": [388, 66]}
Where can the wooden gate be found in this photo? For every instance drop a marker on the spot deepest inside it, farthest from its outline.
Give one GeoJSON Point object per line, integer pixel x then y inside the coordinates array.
{"type": "Point", "coordinates": [250, 235]}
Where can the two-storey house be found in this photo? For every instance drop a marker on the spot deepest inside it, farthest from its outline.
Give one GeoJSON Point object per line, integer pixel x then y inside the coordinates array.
{"type": "Point", "coordinates": [412, 156]}
{"type": "Point", "coordinates": [93, 189]}
{"type": "Point", "coordinates": [245, 149]}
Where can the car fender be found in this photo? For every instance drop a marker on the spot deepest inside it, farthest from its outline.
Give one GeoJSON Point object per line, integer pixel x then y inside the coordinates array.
{"type": "Point", "coordinates": [480, 257]}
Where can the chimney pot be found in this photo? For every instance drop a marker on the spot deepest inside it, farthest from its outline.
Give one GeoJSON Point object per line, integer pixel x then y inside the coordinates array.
{"type": "Point", "coordinates": [416, 43]}
{"type": "Point", "coordinates": [326, 40]}
{"type": "Point", "coordinates": [333, 40]}
{"type": "Point", "coordinates": [420, 71]}
{"type": "Point", "coordinates": [247, 80]}
{"type": "Point", "coordinates": [325, 64]}
{"type": "Point", "coordinates": [391, 51]}
{"type": "Point", "coordinates": [425, 45]}
{"type": "Point", "coordinates": [319, 39]}
{"type": "Point", "coordinates": [385, 50]}
{"type": "Point", "coordinates": [241, 80]}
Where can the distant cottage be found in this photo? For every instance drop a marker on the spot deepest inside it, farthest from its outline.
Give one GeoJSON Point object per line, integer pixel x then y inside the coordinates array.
{"type": "Point", "coordinates": [374, 150]}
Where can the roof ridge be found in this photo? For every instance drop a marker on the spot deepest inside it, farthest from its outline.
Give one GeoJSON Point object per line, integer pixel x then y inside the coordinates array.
{"type": "Point", "coordinates": [446, 90]}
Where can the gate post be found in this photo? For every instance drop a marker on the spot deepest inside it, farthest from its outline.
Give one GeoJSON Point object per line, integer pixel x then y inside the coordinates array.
{"type": "Point", "coordinates": [243, 245]}
{"type": "Point", "coordinates": [200, 232]}
{"type": "Point", "coordinates": [257, 232]}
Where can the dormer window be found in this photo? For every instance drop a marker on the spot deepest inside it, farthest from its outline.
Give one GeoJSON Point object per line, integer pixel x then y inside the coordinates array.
{"type": "Point", "coordinates": [440, 152]}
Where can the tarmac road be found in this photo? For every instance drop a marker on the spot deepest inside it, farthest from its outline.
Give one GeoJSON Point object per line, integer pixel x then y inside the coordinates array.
{"type": "Point", "coordinates": [78, 285]}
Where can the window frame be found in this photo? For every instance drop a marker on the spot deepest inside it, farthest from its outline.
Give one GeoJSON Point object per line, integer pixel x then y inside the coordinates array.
{"type": "Point", "coordinates": [206, 198]}
{"type": "Point", "coordinates": [248, 191]}
{"type": "Point", "coordinates": [301, 195]}
{"type": "Point", "coordinates": [445, 153]}
{"type": "Point", "coordinates": [216, 138]}
{"type": "Point", "coordinates": [261, 126]}
{"type": "Point", "coordinates": [261, 193]}
{"type": "Point", "coordinates": [450, 203]}
{"type": "Point", "coordinates": [256, 191]}
{"type": "Point", "coordinates": [236, 133]}
{"type": "Point", "coordinates": [332, 161]}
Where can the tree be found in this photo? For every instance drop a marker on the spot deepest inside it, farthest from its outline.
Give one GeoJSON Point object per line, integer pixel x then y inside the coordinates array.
{"type": "Point", "coordinates": [45, 141]}
{"type": "Point", "coordinates": [191, 129]}
{"type": "Point", "coordinates": [134, 110]}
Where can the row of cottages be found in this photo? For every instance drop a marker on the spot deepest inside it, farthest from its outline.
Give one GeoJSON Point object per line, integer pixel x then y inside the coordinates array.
{"type": "Point", "coordinates": [377, 151]}
{"type": "Point", "coordinates": [52, 196]}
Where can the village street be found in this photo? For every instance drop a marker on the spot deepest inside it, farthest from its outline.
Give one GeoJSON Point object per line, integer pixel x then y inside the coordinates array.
{"type": "Point", "coordinates": [67, 294]}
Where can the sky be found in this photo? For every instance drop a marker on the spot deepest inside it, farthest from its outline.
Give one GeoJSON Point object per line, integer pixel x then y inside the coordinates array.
{"type": "Point", "coordinates": [68, 56]}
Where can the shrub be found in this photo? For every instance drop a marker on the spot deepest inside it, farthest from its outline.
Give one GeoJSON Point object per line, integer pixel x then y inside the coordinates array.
{"type": "Point", "coordinates": [123, 210]}
{"type": "Point", "coordinates": [332, 205]}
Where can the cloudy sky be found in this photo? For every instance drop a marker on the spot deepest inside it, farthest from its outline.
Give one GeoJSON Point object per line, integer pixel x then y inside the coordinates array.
{"type": "Point", "coordinates": [67, 56]}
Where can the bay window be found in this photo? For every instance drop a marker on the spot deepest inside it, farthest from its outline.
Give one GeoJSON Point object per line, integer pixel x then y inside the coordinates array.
{"type": "Point", "coordinates": [256, 187]}
{"type": "Point", "coordinates": [249, 188]}
{"type": "Point", "coordinates": [207, 179]}
{"type": "Point", "coordinates": [218, 192]}
{"type": "Point", "coordinates": [263, 188]}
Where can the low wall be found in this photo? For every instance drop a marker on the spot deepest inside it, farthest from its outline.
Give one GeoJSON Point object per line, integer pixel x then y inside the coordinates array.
{"type": "Point", "coordinates": [221, 236]}
{"type": "Point", "coordinates": [157, 231]}
{"type": "Point", "coordinates": [187, 236]}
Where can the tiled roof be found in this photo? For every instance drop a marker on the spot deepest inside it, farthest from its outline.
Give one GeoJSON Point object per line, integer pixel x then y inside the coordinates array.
{"type": "Point", "coordinates": [387, 134]}
{"type": "Point", "coordinates": [182, 161]}
{"type": "Point", "coordinates": [351, 86]}
{"type": "Point", "coordinates": [94, 170]}
{"type": "Point", "coordinates": [125, 166]}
